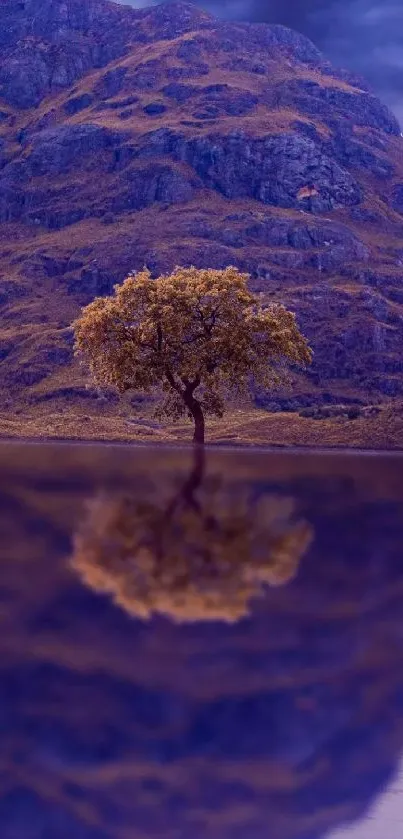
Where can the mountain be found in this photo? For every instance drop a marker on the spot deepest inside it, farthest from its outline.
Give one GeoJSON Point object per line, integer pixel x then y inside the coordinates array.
{"type": "Point", "coordinates": [164, 136]}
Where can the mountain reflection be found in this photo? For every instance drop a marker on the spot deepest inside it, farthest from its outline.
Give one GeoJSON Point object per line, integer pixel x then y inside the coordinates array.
{"type": "Point", "coordinates": [284, 719]}
{"type": "Point", "coordinates": [197, 551]}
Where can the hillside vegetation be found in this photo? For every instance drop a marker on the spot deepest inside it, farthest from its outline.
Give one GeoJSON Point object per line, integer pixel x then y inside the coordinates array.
{"type": "Point", "coordinates": [164, 136]}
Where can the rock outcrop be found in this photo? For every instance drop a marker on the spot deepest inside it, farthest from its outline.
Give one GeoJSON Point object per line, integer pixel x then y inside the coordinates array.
{"type": "Point", "coordinates": [165, 136]}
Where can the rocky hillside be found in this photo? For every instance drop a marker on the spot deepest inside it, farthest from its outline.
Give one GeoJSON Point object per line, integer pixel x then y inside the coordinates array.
{"type": "Point", "coordinates": [165, 136]}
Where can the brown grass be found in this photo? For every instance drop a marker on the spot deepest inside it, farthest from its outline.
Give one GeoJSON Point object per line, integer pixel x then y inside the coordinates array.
{"type": "Point", "coordinates": [239, 427]}
{"type": "Point", "coordinates": [33, 316]}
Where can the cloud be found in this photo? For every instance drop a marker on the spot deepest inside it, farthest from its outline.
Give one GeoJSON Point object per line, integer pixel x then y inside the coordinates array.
{"type": "Point", "coordinates": [365, 36]}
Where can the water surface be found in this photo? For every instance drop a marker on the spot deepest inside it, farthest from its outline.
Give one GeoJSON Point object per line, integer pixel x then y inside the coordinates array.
{"type": "Point", "coordinates": [275, 712]}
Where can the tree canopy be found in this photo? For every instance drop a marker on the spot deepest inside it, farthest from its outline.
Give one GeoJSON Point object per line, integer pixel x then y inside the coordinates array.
{"type": "Point", "coordinates": [196, 337]}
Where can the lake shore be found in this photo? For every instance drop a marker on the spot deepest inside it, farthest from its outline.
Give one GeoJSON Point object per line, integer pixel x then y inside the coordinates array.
{"type": "Point", "coordinates": [246, 428]}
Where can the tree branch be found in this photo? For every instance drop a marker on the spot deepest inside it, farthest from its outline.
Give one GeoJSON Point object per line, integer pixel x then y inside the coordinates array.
{"type": "Point", "coordinates": [211, 366]}
{"type": "Point", "coordinates": [201, 336]}
{"type": "Point", "coordinates": [190, 386]}
{"type": "Point", "coordinates": [172, 382]}
{"type": "Point", "coordinates": [128, 331]}
{"type": "Point", "coordinates": [207, 329]}
{"type": "Point", "coordinates": [204, 318]}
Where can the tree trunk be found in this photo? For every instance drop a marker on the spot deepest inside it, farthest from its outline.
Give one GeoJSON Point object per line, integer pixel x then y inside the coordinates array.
{"type": "Point", "coordinates": [198, 418]}
{"type": "Point", "coordinates": [192, 404]}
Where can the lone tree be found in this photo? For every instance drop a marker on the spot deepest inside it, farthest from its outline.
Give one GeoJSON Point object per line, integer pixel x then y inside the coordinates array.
{"type": "Point", "coordinates": [194, 337]}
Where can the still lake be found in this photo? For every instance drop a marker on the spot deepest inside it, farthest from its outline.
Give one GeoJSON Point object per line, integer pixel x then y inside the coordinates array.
{"type": "Point", "coordinates": [200, 647]}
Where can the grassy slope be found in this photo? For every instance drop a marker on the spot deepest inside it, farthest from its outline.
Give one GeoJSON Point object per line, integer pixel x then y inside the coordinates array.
{"type": "Point", "coordinates": [34, 318]}
{"type": "Point", "coordinates": [238, 427]}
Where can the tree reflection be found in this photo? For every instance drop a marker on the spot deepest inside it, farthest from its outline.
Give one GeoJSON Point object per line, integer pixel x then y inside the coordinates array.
{"type": "Point", "coordinates": [198, 551]}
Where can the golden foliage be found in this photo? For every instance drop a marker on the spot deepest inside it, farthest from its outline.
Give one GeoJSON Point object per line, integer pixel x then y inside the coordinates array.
{"type": "Point", "coordinates": [193, 556]}
{"type": "Point", "coordinates": [199, 336]}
